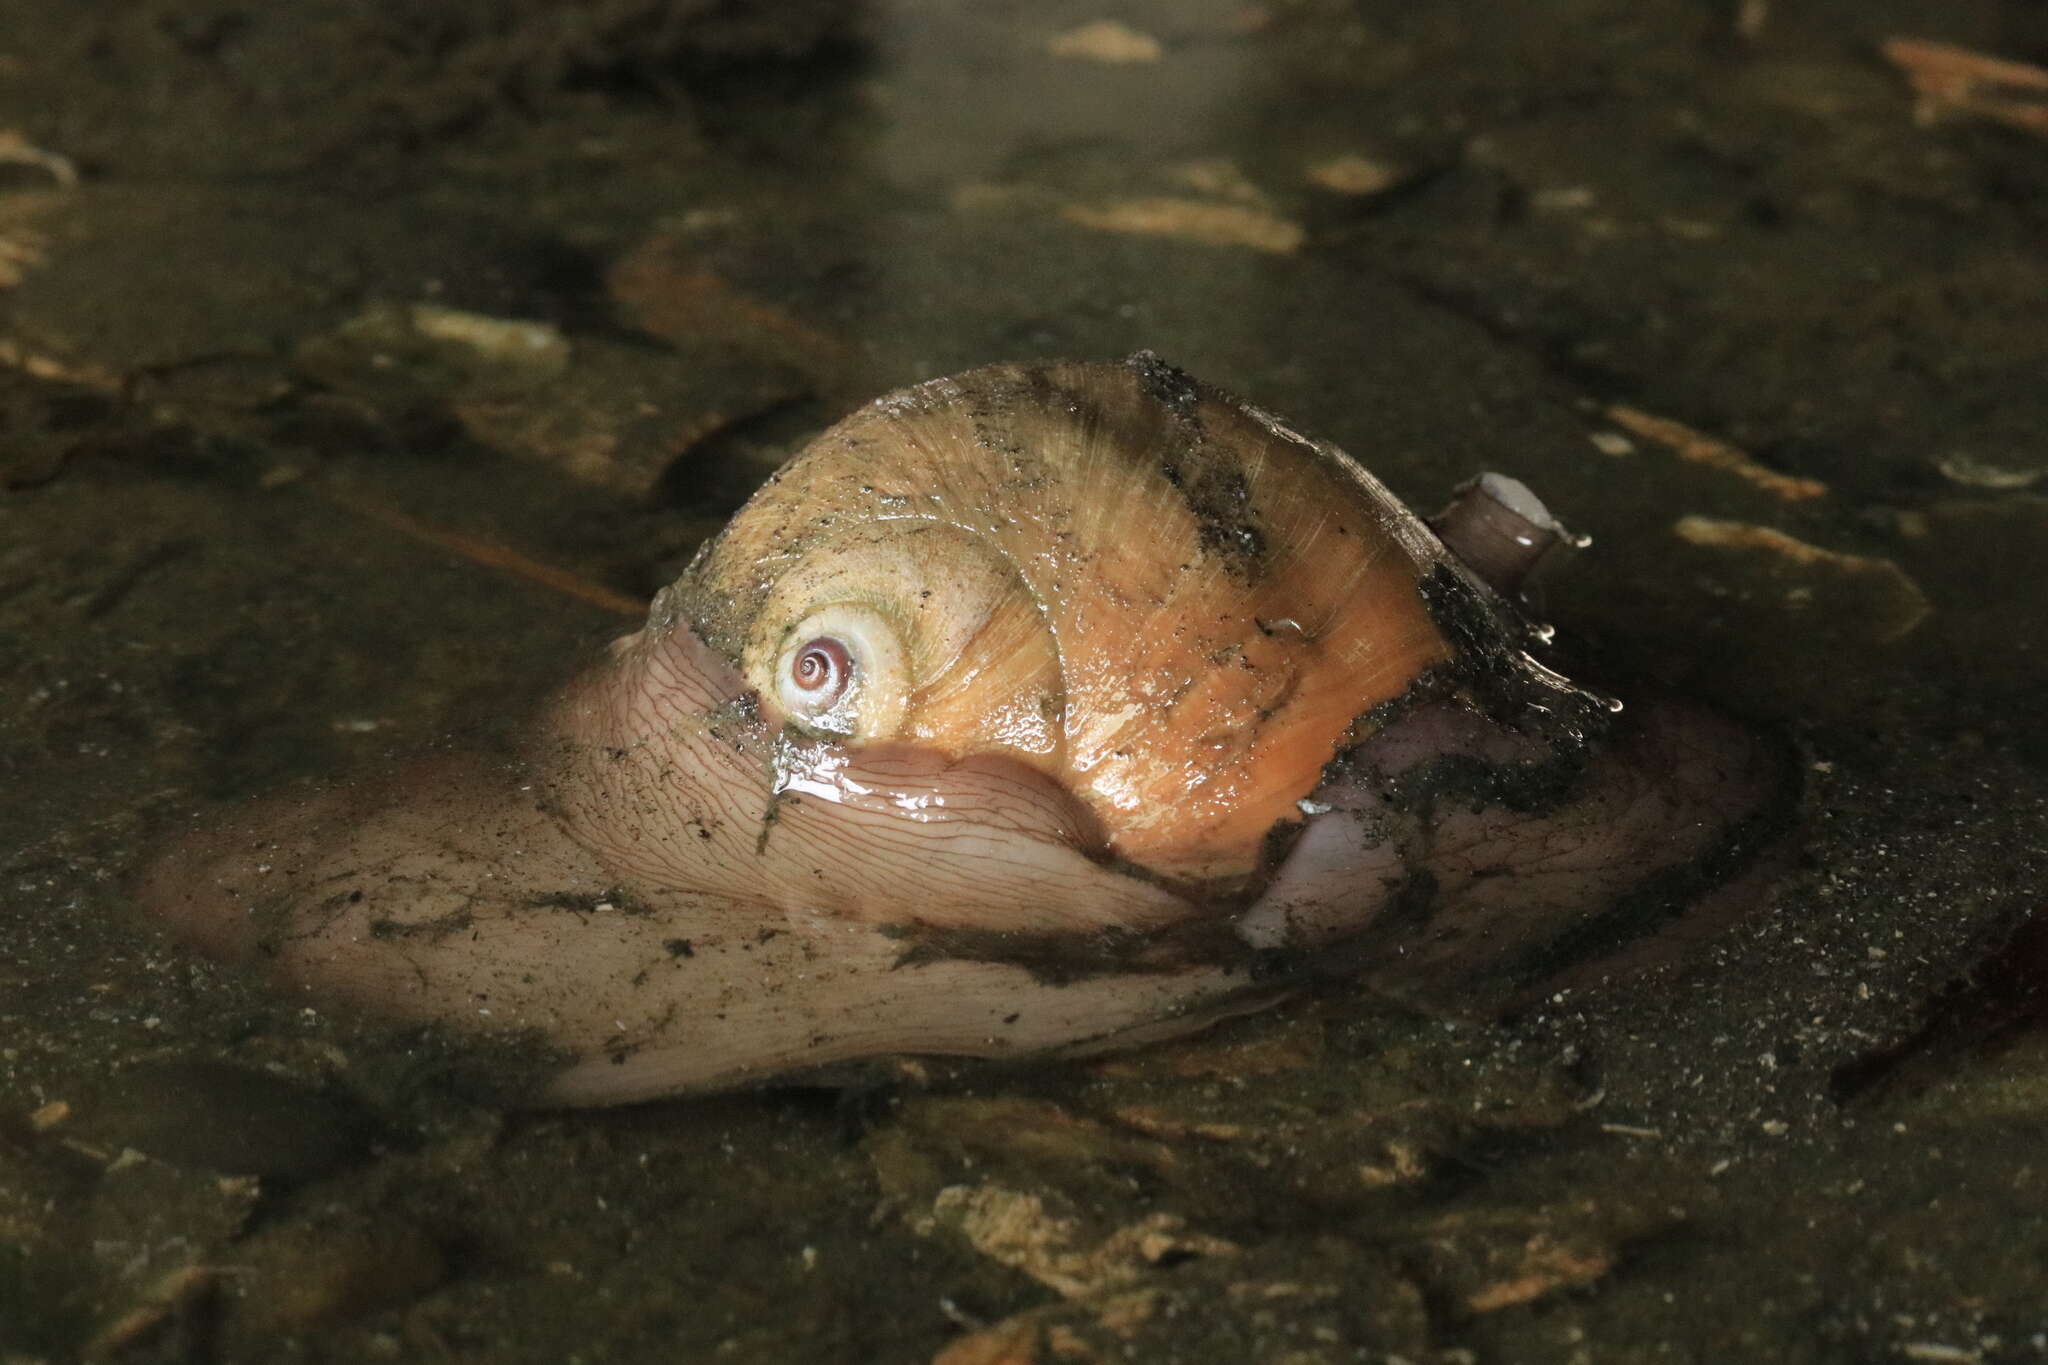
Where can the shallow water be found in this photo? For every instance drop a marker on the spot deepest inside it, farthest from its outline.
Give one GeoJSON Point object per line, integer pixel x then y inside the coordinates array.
{"type": "Point", "coordinates": [246, 480]}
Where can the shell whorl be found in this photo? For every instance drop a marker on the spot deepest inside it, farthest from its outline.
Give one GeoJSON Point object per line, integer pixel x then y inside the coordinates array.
{"type": "Point", "coordinates": [1149, 591]}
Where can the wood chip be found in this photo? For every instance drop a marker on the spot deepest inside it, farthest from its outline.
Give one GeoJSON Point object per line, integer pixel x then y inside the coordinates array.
{"type": "Point", "coordinates": [1190, 220]}
{"type": "Point", "coordinates": [1888, 603]}
{"type": "Point", "coordinates": [48, 367]}
{"type": "Point", "coordinates": [167, 1299]}
{"type": "Point", "coordinates": [1955, 80]}
{"type": "Point", "coordinates": [1155, 1122]}
{"type": "Point", "coordinates": [661, 287]}
{"type": "Point", "coordinates": [1700, 448]}
{"type": "Point", "coordinates": [1548, 1266]}
{"type": "Point", "coordinates": [1972, 472]}
{"type": "Point", "coordinates": [1013, 1341]}
{"type": "Point", "coordinates": [477, 550]}
{"type": "Point", "coordinates": [19, 254]}
{"type": "Point", "coordinates": [1402, 1163]}
{"type": "Point", "coordinates": [534, 348]}
{"type": "Point", "coordinates": [1107, 41]}
{"type": "Point", "coordinates": [1016, 1229]}
{"type": "Point", "coordinates": [20, 151]}
{"type": "Point", "coordinates": [1354, 175]}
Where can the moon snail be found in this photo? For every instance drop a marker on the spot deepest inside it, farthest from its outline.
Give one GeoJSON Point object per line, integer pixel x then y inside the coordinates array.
{"type": "Point", "coordinates": [1038, 710]}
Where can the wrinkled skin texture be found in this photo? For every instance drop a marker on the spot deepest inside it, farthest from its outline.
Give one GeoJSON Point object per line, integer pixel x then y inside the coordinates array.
{"type": "Point", "coordinates": [1107, 778]}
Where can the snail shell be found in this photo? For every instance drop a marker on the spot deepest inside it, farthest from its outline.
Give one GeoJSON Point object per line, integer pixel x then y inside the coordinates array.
{"type": "Point", "coordinates": [1043, 708]}
{"type": "Point", "coordinates": [1164, 601]}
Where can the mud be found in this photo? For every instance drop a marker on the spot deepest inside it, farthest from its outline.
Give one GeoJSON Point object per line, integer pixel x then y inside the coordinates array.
{"type": "Point", "coordinates": [263, 519]}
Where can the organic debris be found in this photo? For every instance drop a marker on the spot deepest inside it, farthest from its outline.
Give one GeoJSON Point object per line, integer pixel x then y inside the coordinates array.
{"type": "Point", "coordinates": [663, 288]}
{"type": "Point", "coordinates": [1017, 1229]}
{"type": "Point", "coordinates": [18, 150]}
{"type": "Point", "coordinates": [1866, 596]}
{"type": "Point", "coordinates": [1320, 1299]}
{"type": "Point", "coordinates": [600, 410]}
{"type": "Point", "coordinates": [1702, 449]}
{"type": "Point", "coordinates": [1107, 41]}
{"type": "Point", "coordinates": [1359, 177]}
{"type": "Point", "coordinates": [1191, 220]}
{"type": "Point", "coordinates": [491, 555]}
{"type": "Point", "coordinates": [1955, 80]}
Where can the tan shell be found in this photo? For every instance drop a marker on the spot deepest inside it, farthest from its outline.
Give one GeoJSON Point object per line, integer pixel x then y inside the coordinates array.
{"type": "Point", "coordinates": [1156, 595]}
